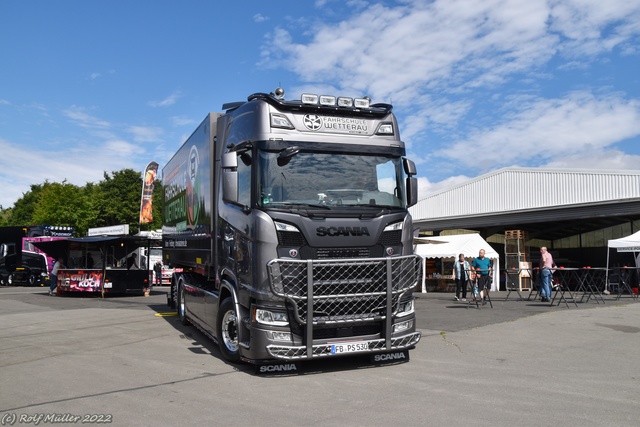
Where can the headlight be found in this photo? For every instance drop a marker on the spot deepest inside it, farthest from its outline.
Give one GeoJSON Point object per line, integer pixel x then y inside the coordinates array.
{"type": "Point", "coordinates": [395, 226]}
{"type": "Point", "coordinates": [281, 226]}
{"type": "Point", "coordinates": [268, 317]}
{"type": "Point", "coordinates": [405, 308]}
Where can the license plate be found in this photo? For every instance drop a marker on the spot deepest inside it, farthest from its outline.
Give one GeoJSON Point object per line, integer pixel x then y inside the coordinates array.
{"type": "Point", "coordinates": [107, 285]}
{"type": "Point", "coordinates": [349, 347]}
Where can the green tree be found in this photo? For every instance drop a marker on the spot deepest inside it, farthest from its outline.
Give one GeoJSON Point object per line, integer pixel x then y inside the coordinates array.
{"type": "Point", "coordinates": [5, 216]}
{"type": "Point", "coordinates": [114, 200]}
{"type": "Point", "coordinates": [22, 211]}
{"type": "Point", "coordinates": [63, 204]}
{"type": "Point", "coordinates": [117, 199]}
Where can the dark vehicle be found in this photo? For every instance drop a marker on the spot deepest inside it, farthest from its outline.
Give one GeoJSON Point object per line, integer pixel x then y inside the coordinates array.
{"type": "Point", "coordinates": [20, 263]}
{"type": "Point", "coordinates": [288, 227]}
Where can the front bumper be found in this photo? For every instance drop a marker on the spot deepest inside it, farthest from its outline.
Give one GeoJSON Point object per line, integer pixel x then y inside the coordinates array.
{"type": "Point", "coordinates": [285, 352]}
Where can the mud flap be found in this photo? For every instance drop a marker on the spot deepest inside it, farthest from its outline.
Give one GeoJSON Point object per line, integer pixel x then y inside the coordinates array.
{"type": "Point", "coordinates": [394, 357]}
{"type": "Point", "coordinates": [279, 368]}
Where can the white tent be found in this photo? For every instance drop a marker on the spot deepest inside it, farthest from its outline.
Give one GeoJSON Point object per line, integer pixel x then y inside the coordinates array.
{"type": "Point", "coordinates": [449, 247]}
{"type": "Point", "coordinates": [625, 244]}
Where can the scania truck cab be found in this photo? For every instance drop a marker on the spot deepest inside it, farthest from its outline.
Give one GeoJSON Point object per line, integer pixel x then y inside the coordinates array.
{"type": "Point", "coordinates": [287, 221]}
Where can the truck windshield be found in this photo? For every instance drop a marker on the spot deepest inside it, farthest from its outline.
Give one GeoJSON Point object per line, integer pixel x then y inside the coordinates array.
{"type": "Point", "coordinates": [330, 180]}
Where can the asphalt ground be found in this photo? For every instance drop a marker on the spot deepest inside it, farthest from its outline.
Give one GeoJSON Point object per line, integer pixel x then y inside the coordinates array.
{"type": "Point", "coordinates": [127, 361]}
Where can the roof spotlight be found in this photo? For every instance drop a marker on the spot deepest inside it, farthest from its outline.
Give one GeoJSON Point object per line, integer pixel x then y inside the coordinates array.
{"type": "Point", "coordinates": [279, 93]}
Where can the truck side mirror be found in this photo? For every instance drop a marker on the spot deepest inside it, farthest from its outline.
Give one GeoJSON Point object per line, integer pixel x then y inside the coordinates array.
{"type": "Point", "coordinates": [409, 167]}
{"type": "Point", "coordinates": [412, 183]}
{"type": "Point", "coordinates": [412, 191]}
{"type": "Point", "coordinates": [229, 163]}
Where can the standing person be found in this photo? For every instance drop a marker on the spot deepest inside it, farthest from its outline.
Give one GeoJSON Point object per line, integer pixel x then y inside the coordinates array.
{"type": "Point", "coordinates": [132, 262]}
{"type": "Point", "coordinates": [54, 276]}
{"type": "Point", "coordinates": [484, 269]}
{"type": "Point", "coordinates": [546, 265]}
{"type": "Point", "coordinates": [157, 268]}
{"type": "Point", "coordinates": [461, 275]}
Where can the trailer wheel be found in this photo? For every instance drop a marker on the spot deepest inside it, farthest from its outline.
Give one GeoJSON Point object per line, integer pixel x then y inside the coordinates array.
{"type": "Point", "coordinates": [228, 325]}
{"type": "Point", "coordinates": [10, 280]}
{"type": "Point", "coordinates": [182, 314]}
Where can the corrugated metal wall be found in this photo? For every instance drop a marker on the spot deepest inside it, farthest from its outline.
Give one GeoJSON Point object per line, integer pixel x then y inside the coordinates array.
{"type": "Point", "coordinates": [516, 189]}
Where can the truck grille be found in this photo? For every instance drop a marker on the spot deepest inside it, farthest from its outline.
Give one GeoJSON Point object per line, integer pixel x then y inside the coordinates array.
{"type": "Point", "coordinates": [332, 253]}
{"type": "Point", "coordinates": [344, 290]}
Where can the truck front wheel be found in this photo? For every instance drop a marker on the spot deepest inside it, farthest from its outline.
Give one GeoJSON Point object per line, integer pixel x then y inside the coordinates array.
{"type": "Point", "coordinates": [228, 325]}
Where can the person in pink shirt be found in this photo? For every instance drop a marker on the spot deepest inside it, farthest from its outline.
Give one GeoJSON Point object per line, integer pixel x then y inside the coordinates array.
{"type": "Point", "coordinates": [546, 266]}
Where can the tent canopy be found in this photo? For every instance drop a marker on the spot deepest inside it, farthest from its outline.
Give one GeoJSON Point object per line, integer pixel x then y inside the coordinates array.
{"type": "Point", "coordinates": [453, 245]}
{"type": "Point", "coordinates": [626, 244]}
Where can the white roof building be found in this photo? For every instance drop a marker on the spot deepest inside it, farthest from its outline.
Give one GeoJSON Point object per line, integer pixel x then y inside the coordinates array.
{"type": "Point", "coordinates": [548, 203]}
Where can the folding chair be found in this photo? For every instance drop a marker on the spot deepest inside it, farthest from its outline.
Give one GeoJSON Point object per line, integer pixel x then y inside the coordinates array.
{"type": "Point", "coordinates": [511, 285]}
{"type": "Point", "coordinates": [476, 293]}
{"type": "Point", "coordinates": [622, 284]}
{"type": "Point", "coordinates": [558, 288]}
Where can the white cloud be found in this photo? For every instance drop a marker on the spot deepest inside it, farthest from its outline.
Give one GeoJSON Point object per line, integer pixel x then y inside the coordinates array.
{"type": "Point", "coordinates": [442, 62]}
{"type": "Point", "coordinates": [168, 101]}
{"type": "Point", "coordinates": [546, 129]}
{"type": "Point", "coordinates": [422, 46]}
{"type": "Point", "coordinates": [598, 160]}
{"type": "Point", "coordinates": [80, 117]}
{"type": "Point", "coordinates": [78, 165]}
{"type": "Point", "coordinates": [182, 121]}
{"type": "Point", "coordinates": [146, 134]}
{"type": "Point", "coordinates": [593, 26]}
{"type": "Point", "coordinates": [258, 17]}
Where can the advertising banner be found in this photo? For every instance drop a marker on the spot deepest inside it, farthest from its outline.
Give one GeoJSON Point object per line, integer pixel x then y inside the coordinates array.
{"type": "Point", "coordinates": [146, 202]}
{"type": "Point", "coordinates": [80, 280]}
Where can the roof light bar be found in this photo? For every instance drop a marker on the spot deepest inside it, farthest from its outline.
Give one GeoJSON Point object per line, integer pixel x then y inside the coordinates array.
{"type": "Point", "coordinates": [361, 102]}
{"type": "Point", "coordinates": [327, 100]}
{"type": "Point", "coordinates": [332, 101]}
{"type": "Point", "coordinates": [308, 98]}
{"type": "Point", "coordinates": [345, 102]}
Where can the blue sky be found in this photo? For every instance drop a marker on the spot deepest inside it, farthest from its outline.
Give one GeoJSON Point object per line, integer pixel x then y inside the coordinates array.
{"type": "Point", "coordinates": [94, 86]}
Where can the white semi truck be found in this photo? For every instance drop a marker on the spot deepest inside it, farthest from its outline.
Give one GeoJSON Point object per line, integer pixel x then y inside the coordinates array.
{"type": "Point", "coordinates": [287, 223]}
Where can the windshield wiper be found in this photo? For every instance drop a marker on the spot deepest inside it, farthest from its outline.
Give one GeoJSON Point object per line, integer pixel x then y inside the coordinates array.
{"type": "Point", "coordinates": [296, 204]}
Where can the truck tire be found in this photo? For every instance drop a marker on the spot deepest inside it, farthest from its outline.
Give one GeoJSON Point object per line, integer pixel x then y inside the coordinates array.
{"type": "Point", "coordinates": [227, 325]}
{"type": "Point", "coordinates": [182, 314]}
{"type": "Point", "coordinates": [32, 279]}
{"type": "Point", "coordinates": [172, 296]}
{"type": "Point", "coordinates": [10, 280]}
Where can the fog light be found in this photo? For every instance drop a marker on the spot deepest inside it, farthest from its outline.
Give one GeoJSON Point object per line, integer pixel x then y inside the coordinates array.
{"type": "Point", "coordinates": [403, 326]}
{"type": "Point", "coordinates": [279, 336]}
